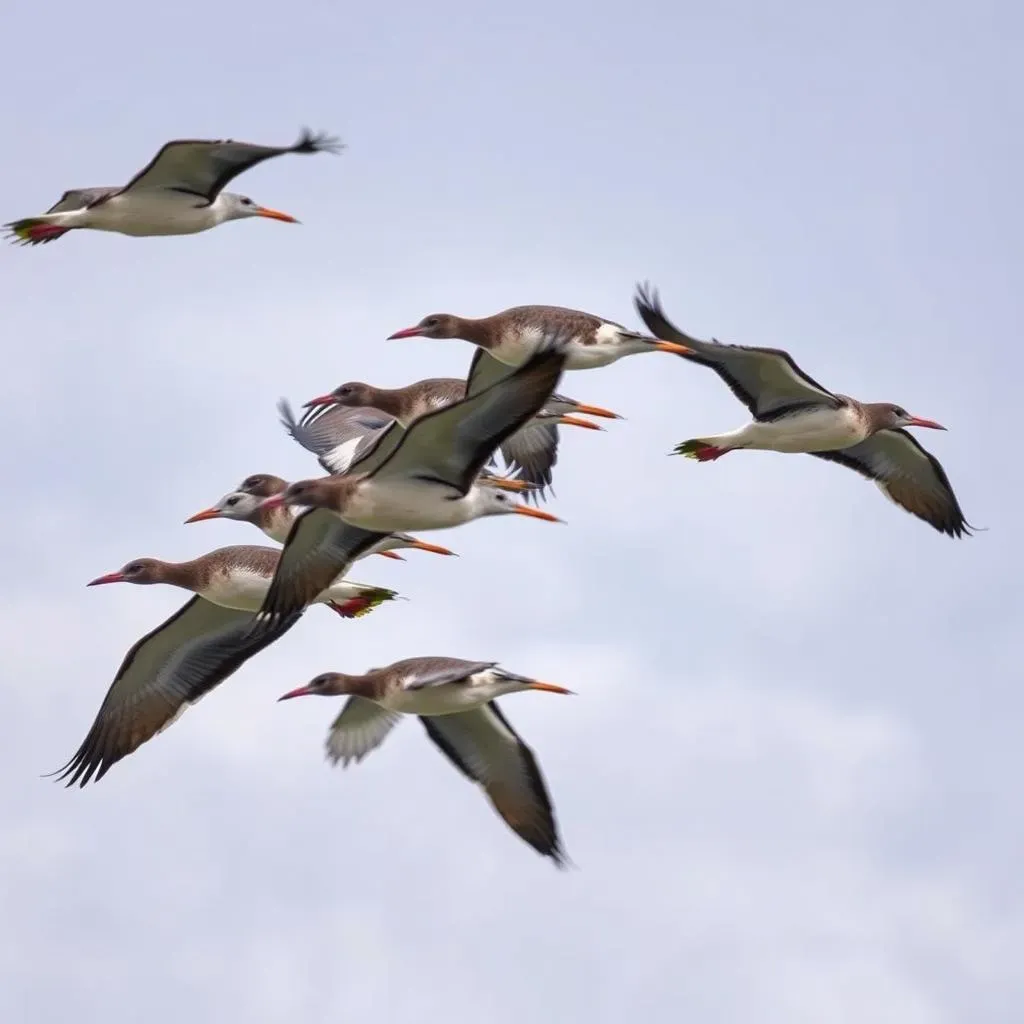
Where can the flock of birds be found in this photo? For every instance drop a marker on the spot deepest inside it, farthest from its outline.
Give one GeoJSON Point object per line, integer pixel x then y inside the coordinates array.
{"type": "Point", "coordinates": [423, 458]}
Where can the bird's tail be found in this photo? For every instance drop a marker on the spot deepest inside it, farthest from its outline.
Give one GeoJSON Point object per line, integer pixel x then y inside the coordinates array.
{"type": "Point", "coordinates": [35, 230]}
{"type": "Point", "coordinates": [700, 448]}
{"type": "Point", "coordinates": [356, 607]}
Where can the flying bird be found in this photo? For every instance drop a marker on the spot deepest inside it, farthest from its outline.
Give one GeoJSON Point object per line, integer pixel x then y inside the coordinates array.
{"type": "Point", "coordinates": [455, 700]}
{"type": "Point", "coordinates": [531, 452]}
{"type": "Point", "coordinates": [792, 412]}
{"type": "Point", "coordinates": [423, 478]}
{"type": "Point", "coordinates": [179, 192]}
{"type": "Point", "coordinates": [246, 505]}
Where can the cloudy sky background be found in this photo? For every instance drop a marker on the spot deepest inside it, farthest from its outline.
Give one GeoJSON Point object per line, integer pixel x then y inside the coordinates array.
{"type": "Point", "coordinates": [790, 781]}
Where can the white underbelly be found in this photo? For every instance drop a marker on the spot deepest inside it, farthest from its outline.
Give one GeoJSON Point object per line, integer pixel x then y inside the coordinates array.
{"type": "Point", "coordinates": [151, 213]}
{"type": "Point", "coordinates": [243, 591]}
{"type": "Point", "coordinates": [449, 699]}
{"type": "Point", "coordinates": [403, 506]}
{"type": "Point", "coordinates": [815, 430]}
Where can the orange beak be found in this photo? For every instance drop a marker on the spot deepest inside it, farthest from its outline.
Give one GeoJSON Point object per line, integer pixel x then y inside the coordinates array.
{"type": "Point", "coordinates": [916, 421]}
{"type": "Point", "coordinates": [263, 211]}
{"type": "Point", "coordinates": [536, 513]}
{"type": "Point", "coordinates": [207, 513]}
{"type": "Point", "coordinates": [435, 549]}
{"type": "Point", "coordinates": [576, 421]}
{"type": "Point", "coordinates": [391, 554]}
{"type": "Point", "coordinates": [673, 347]}
{"type": "Point", "coordinates": [596, 410]}
{"type": "Point", "coordinates": [505, 483]}
{"type": "Point", "coordinates": [551, 688]}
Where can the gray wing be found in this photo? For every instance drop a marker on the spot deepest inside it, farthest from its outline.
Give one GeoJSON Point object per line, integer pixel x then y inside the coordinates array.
{"type": "Point", "coordinates": [453, 444]}
{"type": "Point", "coordinates": [169, 669]}
{"type": "Point", "coordinates": [532, 452]}
{"type": "Point", "coordinates": [421, 673]}
{"type": "Point", "coordinates": [338, 436]}
{"type": "Point", "coordinates": [77, 198]}
{"type": "Point", "coordinates": [486, 749]}
{"type": "Point", "coordinates": [908, 475]}
{"type": "Point", "coordinates": [766, 380]}
{"type": "Point", "coordinates": [203, 167]}
{"type": "Point", "coordinates": [361, 726]}
{"type": "Point", "coordinates": [320, 548]}
{"type": "Point", "coordinates": [485, 371]}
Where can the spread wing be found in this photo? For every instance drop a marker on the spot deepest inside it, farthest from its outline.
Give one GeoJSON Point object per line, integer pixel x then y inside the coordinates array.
{"type": "Point", "coordinates": [908, 475]}
{"type": "Point", "coordinates": [77, 198]}
{"type": "Point", "coordinates": [453, 444]}
{"type": "Point", "coordinates": [203, 167]}
{"type": "Point", "coordinates": [320, 548]}
{"type": "Point", "coordinates": [765, 380]}
{"type": "Point", "coordinates": [531, 453]}
{"type": "Point", "coordinates": [486, 749]}
{"type": "Point", "coordinates": [164, 673]}
{"type": "Point", "coordinates": [338, 436]}
{"type": "Point", "coordinates": [361, 726]}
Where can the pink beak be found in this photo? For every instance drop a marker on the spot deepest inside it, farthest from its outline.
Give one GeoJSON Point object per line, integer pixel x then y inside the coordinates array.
{"type": "Point", "coordinates": [408, 332]}
{"type": "Point", "coordinates": [111, 577]}
{"type": "Point", "coordinates": [320, 400]}
{"type": "Point", "coordinates": [915, 421]}
{"type": "Point", "coordinates": [274, 501]}
{"type": "Point", "coordinates": [302, 691]}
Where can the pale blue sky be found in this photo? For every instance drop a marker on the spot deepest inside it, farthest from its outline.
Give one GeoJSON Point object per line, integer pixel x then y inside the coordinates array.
{"type": "Point", "coordinates": [790, 779]}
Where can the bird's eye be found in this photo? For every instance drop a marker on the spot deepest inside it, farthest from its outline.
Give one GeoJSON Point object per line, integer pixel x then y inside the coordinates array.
{"type": "Point", "coordinates": [900, 411]}
{"type": "Point", "coordinates": [231, 502]}
{"type": "Point", "coordinates": [133, 568]}
{"type": "Point", "coordinates": [431, 321]}
{"type": "Point", "coordinates": [246, 201]}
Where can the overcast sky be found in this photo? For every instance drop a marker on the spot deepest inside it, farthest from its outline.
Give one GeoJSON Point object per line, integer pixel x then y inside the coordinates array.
{"type": "Point", "coordinates": [790, 781]}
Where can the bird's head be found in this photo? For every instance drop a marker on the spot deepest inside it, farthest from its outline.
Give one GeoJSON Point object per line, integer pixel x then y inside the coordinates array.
{"type": "Point", "coordinates": [236, 505]}
{"type": "Point", "coordinates": [327, 684]}
{"type": "Point", "coordinates": [354, 393]}
{"type": "Point", "coordinates": [238, 207]}
{"type": "Point", "coordinates": [891, 417]}
{"type": "Point", "coordinates": [140, 570]}
{"type": "Point", "coordinates": [495, 501]}
{"type": "Point", "coordinates": [437, 325]}
{"type": "Point", "coordinates": [319, 493]}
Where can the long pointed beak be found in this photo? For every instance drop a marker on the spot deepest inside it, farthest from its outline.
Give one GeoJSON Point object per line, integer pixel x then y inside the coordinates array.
{"type": "Point", "coordinates": [264, 211]}
{"type": "Point", "coordinates": [436, 549]}
{"type": "Point", "coordinates": [578, 421]}
{"type": "Point", "coordinates": [528, 510]}
{"type": "Point", "coordinates": [504, 483]}
{"type": "Point", "coordinates": [207, 513]}
{"type": "Point", "coordinates": [274, 501]}
{"type": "Point", "coordinates": [596, 410]}
{"type": "Point", "coordinates": [551, 688]}
{"type": "Point", "coordinates": [110, 577]}
{"type": "Point", "coordinates": [319, 400]}
{"type": "Point", "coordinates": [408, 332]}
{"type": "Point", "coordinates": [916, 421]}
{"type": "Point", "coordinates": [391, 554]}
{"type": "Point", "coordinates": [674, 347]}
{"type": "Point", "coordinates": [302, 691]}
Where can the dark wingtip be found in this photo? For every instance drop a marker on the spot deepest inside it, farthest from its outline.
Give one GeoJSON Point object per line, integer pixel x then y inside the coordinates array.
{"type": "Point", "coordinates": [317, 142]}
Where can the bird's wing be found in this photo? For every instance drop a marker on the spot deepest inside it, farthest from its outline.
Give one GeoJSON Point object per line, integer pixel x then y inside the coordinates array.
{"type": "Point", "coordinates": [164, 673]}
{"type": "Point", "coordinates": [484, 371]}
{"type": "Point", "coordinates": [361, 726]}
{"type": "Point", "coordinates": [908, 475]}
{"type": "Point", "coordinates": [203, 167]}
{"type": "Point", "coordinates": [766, 380]}
{"type": "Point", "coordinates": [531, 453]}
{"type": "Point", "coordinates": [486, 749]}
{"type": "Point", "coordinates": [452, 445]}
{"type": "Point", "coordinates": [320, 548]}
{"type": "Point", "coordinates": [337, 436]}
{"type": "Point", "coordinates": [78, 198]}
{"type": "Point", "coordinates": [426, 672]}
